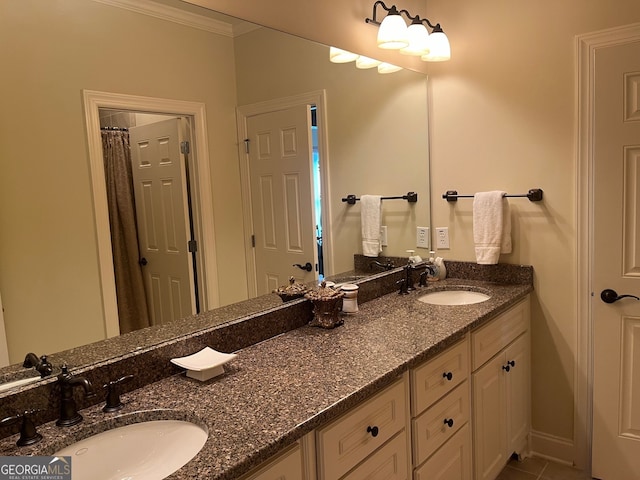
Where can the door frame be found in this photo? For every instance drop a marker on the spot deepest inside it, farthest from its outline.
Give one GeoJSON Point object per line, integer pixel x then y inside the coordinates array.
{"type": "Point", "coordinates": [586, 47]}
{"type": "Point", "coordinates": [317, 98]}
{"type": "Point", "coordinates": [202, 195]}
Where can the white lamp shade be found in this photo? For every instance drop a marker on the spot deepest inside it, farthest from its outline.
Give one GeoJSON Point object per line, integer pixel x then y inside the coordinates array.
{"type": "Point", "coordinates": [418, 40]}
{"type": "Point", "coordinates": [337, 55]}
{"type": "Point", "coordinates": [439, 48]}
{"type": "Point", "coordinates": [388, 68]}
{"type": "Point", "coordinates": [392, 34]}
{"type": "Point", "coordinates": [366, 62]}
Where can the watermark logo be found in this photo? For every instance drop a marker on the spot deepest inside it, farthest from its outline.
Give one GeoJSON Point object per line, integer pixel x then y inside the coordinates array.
{"type": "Point", "coordinates": [35, 468]}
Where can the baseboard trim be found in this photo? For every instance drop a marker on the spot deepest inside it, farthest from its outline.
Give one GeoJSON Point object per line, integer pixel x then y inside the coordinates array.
{"type": "Point", "coordinates": [552, 447]}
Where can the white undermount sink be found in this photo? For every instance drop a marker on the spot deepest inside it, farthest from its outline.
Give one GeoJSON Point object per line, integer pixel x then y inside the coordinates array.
{"type": "Point", "coordinates": [454, 297]}
{"type": "Point", "coordinates": [140, 451]}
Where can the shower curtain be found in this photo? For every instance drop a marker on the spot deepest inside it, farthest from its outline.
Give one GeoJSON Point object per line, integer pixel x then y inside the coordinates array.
{"type": "Point", "coordinates": [133, 312]}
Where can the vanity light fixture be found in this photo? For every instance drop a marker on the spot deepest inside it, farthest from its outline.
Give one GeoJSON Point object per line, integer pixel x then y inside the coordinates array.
{"type": "Point", "coordinates": [393, 33]}
{"type": "Point", "coordinates": [388, 68]}
{"type": "Point", "coordinates": [366, 62]}
{"type": "Point", "coordinates": [337, 55]}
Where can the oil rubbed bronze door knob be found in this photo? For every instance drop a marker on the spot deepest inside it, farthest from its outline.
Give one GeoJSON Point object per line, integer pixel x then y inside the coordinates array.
{"type": "Point", "coordinates": [307, 266]}
{"type": "Point", "coordinates": [610, 296]}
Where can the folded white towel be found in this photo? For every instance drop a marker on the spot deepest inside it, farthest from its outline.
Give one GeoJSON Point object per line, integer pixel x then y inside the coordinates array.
{"type": "Point", "coordinates": [491, 226]}
{"type": "Point", "coordinates": [371, 216]}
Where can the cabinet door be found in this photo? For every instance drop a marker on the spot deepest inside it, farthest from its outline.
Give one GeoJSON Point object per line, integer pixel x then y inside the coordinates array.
{"type": "Point", "coordinates": [518, 394]}
{"type": "Point", "coordinates": [351, 438]}
{"type": "Point", "coordinates": [489, 419]}
{"type": "Point", "coordinates": [388, 463]}
{"type": "Point", "coordinates": [286, 466]}
{"type": "Point", "coordinates": [451, 462]}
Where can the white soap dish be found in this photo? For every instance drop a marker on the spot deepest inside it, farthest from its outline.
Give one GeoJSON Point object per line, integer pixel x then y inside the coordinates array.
{"type": "Point", "coordinates": [205, 364]}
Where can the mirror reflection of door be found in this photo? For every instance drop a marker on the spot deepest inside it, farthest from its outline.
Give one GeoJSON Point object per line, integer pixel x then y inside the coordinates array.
{"type": "Point", "coordinates": [280, 150]}
{"type": "Point", "coordinates": [150, 220]}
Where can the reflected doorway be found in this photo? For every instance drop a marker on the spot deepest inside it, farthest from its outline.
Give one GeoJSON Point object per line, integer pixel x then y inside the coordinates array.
{"type": "Point", "coordinates": [284, 161]}
{"type": "Point", "coordinates": [153, 239]}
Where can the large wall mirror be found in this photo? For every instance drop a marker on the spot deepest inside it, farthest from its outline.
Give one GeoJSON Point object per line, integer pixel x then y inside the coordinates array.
{"type": "Point", "coordinates": [376, 131]}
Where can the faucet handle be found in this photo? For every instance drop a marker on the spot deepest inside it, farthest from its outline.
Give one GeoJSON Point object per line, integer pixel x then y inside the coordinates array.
{"type": "Point", "coordinates": [113, 402]}
{"type": "Point", "coordinates": [28, 432]}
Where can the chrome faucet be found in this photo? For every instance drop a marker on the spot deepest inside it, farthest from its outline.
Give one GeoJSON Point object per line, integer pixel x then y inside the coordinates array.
{"type": "Point", "coordinates": [41, 364]}
{"type": "Point", "coordinates": [68, 410]}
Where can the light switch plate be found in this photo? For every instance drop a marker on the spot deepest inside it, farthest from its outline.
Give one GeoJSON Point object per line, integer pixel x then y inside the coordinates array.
{"type": "Point", "coordinates": [383, 235]}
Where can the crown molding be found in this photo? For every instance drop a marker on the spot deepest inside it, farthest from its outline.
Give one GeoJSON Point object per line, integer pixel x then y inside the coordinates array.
{"type": "Point", "coordinates": [172, 14]}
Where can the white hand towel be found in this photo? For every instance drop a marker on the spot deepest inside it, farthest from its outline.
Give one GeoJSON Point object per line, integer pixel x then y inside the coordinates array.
{"type": "Point", "coordinates": [491, 226]}
{"type": "Point", "coordinates": [371, 216]}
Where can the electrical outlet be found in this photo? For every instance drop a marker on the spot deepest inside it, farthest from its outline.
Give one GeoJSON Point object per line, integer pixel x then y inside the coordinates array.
{"type": "Point", "coordinates": [422, 237]}
{"type": "Point", "coordinates": [442, 237]}
{"type": "Point", "coordinates": [383, 235]}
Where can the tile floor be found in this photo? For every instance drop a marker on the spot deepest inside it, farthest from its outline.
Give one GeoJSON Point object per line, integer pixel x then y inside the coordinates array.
{"type": "Point", "coordinates": [539, 469]}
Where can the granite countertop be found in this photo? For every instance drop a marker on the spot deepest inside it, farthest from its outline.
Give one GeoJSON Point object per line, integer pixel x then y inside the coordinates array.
{"type": "Point", "coordinates": [276, 391]}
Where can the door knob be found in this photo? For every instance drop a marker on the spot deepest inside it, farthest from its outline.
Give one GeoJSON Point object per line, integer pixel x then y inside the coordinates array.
{"type": "Point", "coordinates": [610, 296]}
{"type": "Point", "coordinates": [143, 261]}
{"type": "Point", "coordinates": [307, 266]}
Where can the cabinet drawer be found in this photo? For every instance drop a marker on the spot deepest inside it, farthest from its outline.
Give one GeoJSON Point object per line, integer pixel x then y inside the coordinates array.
{"type": "Point", "coordinates": [388, 463]}
{"type": "Point", "coordinates": [451, 462]}
{"type": "Point", "coordinates": [430, 430]}
{"type": "Point", "coordinates": [497, 334]}
{"type": "Point", "coordinates": [348, 440]}
{"type": "Point", "coordinates": [435, 378]}
{"type": "Point", "coordinates": [286, 466]}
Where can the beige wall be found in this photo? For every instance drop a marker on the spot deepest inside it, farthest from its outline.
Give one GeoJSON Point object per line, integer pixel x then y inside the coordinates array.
{"type": "Point", "coordinates": [377, 129]}
{"type": "Point", "coordinates": [502, 117]}
{"type": "Point", "coordinates": [52, 51]}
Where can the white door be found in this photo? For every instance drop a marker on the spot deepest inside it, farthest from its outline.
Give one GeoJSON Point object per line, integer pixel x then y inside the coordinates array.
{"type": "Point", "coordinates": [616, 339]}
{"type": "Point", "coordinates": [159, 178]}
{"type": "Point", "coordinates": [280, 175]}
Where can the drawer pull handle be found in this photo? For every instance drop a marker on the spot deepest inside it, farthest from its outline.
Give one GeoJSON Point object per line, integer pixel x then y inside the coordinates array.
{"type": "Point", "coordinates": [507, 367]}
{"type": "Point", "coordinates": [447, 375]}
{"type": "Point", "coordinates": [373, 431]}
{"type": "Point", "coordinates": [448, 422]}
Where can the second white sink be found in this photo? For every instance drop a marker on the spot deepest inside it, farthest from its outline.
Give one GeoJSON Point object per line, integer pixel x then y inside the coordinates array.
{"type": "Point", "coordinates": [140, 451]}
{"type": "Point", "coordinates": [454, 297]}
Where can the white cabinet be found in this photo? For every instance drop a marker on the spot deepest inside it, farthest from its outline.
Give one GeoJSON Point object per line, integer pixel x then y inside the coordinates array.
{"type": "Point", "coordinates": [356, 438]}
{"type": "Point", "coordinates": [287, 465]}
{"type": "Point", "coordinates": [501, 390]}
{"type": "Point", "coordinates": [451, 462]}
{"type": "Point", "coordinates": [441, 407]}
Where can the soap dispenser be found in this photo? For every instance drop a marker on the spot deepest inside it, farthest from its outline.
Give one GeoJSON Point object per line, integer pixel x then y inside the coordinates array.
{"type": "Point", "coordinates": [442, 270]}
{"type": "Point", "coordinates": [434, 274]}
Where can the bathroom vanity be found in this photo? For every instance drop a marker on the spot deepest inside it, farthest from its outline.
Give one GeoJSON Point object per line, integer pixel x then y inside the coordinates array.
{"type": "Point", "coordinates": [389, 392]}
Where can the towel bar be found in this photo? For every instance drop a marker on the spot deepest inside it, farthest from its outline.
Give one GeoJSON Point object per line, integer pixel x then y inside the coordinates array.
{"type": "Point", "coordinates": [534, 195]}
{"type": "Point", "coordinates": [411, 197]}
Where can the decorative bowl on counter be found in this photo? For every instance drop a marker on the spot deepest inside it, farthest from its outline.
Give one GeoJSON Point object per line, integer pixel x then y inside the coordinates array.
{"type": "Point", "coordinates": [292, 291]}
{"type": "Point", "coordinates": [327, 304]}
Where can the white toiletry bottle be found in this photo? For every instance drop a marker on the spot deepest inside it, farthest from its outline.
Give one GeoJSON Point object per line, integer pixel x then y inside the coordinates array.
{"type": "Point", "coordinates": [436, 270]}
{"type": "Point", "coordinates": [442, 270]}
